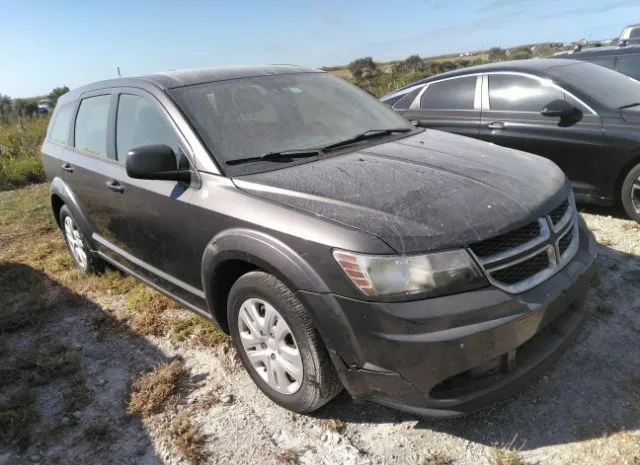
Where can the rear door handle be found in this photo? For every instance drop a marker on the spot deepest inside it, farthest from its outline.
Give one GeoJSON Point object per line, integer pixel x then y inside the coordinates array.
{"type": "Point", "coordinates": [115, 186]}
{"type": "Point", "coordinates": [496, 125]}
{"type": "Point", "coordinates": [67, 167]}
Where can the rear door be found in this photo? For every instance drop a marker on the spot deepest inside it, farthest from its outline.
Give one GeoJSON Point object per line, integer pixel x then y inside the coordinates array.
{"type": "Point", "coordinates": [511, 117]}
{"type": "Point", "coordinates": [89, 162]}
{"type": "Point", "coordinates": [451, 105]}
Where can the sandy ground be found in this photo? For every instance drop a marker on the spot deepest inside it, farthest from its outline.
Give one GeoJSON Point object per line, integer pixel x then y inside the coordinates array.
{"type": "Point", "coordinates": [584, 410]}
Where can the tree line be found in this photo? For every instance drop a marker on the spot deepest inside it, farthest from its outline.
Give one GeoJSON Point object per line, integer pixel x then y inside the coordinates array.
{"type": "Point", "coordinates": [28, 106]}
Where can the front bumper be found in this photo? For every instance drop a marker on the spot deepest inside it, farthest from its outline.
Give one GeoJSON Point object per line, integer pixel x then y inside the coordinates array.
{"type": "Point", "coordinates": [452, 355]}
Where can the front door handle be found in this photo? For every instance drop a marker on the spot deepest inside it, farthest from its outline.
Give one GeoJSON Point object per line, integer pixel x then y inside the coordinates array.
{"type": "Point", "coordinates": [496, 125]}
{"type": "Point", "coordinates": [67, 167]}
{"type": "Point", "coordinates": [115, 186]}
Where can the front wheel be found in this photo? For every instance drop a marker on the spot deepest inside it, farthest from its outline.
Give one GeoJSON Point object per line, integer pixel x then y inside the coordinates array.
{"type": "Point", "coordinates": [77, 245]}
{"type": "Point", "coordinates": [631, 193]}
{"type": "Point", "coordinates": [278, 344]}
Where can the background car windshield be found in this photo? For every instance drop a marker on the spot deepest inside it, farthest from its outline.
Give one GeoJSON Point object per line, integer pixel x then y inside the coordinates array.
{"type": "Point", "coordinates": [609, 88]}
{"type": "Point", "coordinates": [248, 117]}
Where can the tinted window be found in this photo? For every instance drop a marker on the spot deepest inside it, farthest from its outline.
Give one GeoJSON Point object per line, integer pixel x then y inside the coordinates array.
{"type": "Point", "coordinates": [60, 127]}
{"type": "Point", "coordinates": [519, 93]}
{"type": "Point", "coordinates": [454, 94]}
{"type": "Point", "coordinates": [607, 87]}
{"type": "Point", "coordinates": [629, 65]}
{"type": "Point", "coordinates": [91, 125]}
{"type": "Point", "coordinates": [391, 100]}
{"type": "Point", "coordinates": [139, 123]}
{"type": "Point", "coordinates": [407, 100]}
{"type": "Point", "coordinates": [607, 62]}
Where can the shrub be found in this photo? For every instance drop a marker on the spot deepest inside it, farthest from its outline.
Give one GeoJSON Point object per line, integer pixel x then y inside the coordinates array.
{"type": "Point", "coordinates": [20, 160]}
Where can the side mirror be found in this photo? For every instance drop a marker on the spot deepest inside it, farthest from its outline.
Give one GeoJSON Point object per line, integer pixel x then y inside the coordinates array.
{"type": "Point", "coordinates": [155, 162]}
{"type": "Point", "coordinates": [562, 109]}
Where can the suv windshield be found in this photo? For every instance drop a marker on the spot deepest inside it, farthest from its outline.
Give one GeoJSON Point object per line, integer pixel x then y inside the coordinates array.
{"type": "Point", "coordinates": [607, 87]}
{"type": "Point", "coordinates": [249, 117]}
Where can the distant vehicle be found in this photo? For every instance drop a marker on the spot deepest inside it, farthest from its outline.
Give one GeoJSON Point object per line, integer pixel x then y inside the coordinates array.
{"type": "Point", "coordinates": [337, 244]}
{"type": "Point", "coordinates": [584, 117]}
{"type": "Point", "coordinates": [44, 106]}
{"type": "Point", "coordinates": [624, 57]}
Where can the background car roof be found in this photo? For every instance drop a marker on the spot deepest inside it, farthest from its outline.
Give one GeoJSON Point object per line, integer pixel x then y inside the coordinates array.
{"type": "Point", "coordinates": [533, 66]}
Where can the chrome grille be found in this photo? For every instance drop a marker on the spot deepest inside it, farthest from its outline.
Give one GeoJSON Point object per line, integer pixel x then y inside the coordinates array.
{"type": "Point", "coordinates": [521, 259]}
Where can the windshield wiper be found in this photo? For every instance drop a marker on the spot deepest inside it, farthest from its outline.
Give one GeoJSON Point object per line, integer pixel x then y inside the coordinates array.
{"type": "Point", "coordinates": [369, 134]}
{"type": "Point", "coordinates": [282, 155]}
{"type": "Point", "coordinates": [629, 106]}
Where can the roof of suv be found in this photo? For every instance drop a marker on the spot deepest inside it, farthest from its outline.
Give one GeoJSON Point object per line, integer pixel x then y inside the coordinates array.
{"type": "Point", "coordinates": [189, 77]}
{"type": "Point", "coordinates": [601, 51]}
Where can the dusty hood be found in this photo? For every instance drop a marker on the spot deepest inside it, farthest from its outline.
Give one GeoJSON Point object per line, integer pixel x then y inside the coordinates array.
{"type": "Point", "coordinates": [429, 191]}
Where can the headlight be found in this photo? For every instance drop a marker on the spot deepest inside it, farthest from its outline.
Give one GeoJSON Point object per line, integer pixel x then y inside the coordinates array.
{"type": "Point", "coordinates": [431, 274]}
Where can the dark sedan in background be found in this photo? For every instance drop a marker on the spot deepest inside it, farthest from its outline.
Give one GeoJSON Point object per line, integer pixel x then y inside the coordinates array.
{"type": "Point", "coordinates": [584, 117]}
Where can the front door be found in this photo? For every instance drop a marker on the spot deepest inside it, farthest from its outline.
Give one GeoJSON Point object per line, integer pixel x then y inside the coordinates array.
{"type": "Point", "coordinates": [152, 228]}
{"type": "Point", "coordinates": [511, 118]}
{"type": "Point", "coordinates": [450, 105]}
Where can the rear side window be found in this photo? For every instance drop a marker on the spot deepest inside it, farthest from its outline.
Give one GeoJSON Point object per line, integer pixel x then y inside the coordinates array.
{"type": "Point", "coordinates": [520, 93]}
{"type": "Point", "coordinates": [629, 65]}
{"type": "Point", "coordinates": [391, 100]}
{"type": "Point", "coordinates": [91, 125]}
{"type": "Point", "coordinates": [140, 123]}
{"type": "Point", "coordinates": [61, 124]}
{"type": "Point", "coordinates": [453, 94]}
{"type": "Point", "coordinates": [406, 101]}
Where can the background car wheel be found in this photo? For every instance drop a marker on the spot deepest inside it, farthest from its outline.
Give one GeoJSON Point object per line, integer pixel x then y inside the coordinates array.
{"type": "Point", "coordinates": [278, 344]}
{"type": "Point", "coordinates": [77, 245]}
{"type": "Point", "coordinates": [631, 194]}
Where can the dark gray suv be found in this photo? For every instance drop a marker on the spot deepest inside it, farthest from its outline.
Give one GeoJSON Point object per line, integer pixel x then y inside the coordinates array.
{"type": "Point", "coordinates": [336, 243]}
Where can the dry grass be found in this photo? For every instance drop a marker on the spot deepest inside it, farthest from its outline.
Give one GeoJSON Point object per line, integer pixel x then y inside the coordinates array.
{"type": "Point", "coordinates": [505, 454]}
{"type": "Point", "coordinates": [199, 330]}
{"type": "Point", "coordinates": [288, 457]}
{"type": "Point", "coordinates": [335, 425]}
{"type": "Point", "coordinates": [18, 415]}
{"type": "Point", "coordinates": [186, 438]}
{"type": "Point", "coordinates": [151, 392]}
{"type": "Point", "coordinates": [436, 458]}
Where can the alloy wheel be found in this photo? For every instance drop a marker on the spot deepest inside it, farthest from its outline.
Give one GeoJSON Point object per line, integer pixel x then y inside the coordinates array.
{"type": "Point", "coordinates": [635, 195]}
{"type": "Point", "coordinates": [75, 242]}
{"type": "Point", "coordinates": [270, 346]}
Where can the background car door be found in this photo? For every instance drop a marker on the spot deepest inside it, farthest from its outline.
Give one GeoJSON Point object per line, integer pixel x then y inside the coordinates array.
{"type": "Point", "coordinates": [151, 229]}
{"type": "Point", "coordinates": [88, 163]}
{"type": "Point", "coordinates": [511, 117]}
{"type": "Point", "coordinates": [450, 105]}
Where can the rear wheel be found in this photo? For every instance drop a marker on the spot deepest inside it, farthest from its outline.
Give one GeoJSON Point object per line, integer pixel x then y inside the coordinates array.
{"type": "Point", "coordinates": [278, 344]}
{"type": "Point", "coordinates": [77, 245]}
{"type": "Point", "coordinates": [631, 193]}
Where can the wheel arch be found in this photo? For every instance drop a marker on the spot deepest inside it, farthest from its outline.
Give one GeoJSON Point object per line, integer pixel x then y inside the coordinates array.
{"type": "Point", "coordinates": [235, 252]}
{"type": "Point", "coordinates": [61, 194]}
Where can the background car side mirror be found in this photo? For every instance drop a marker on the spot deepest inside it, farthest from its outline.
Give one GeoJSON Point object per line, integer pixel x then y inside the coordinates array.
{"type": "Point", "coordinates": [562, 109]}
{"type": "Point", "coordinates": [156, 161]}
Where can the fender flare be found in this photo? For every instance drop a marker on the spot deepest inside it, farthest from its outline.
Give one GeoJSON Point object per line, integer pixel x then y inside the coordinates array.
{"type": "Point", "coordinates": [262, 251]}
{"type": "Point", "coordinates": [62, 190]}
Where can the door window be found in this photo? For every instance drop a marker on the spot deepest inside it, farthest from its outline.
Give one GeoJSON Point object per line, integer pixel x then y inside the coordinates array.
{"type": "Point", "coordinates": [91, 125]}
{"type": "Point", "coordinates": [139, 122]}
{"type": "Point", "coordinates": [406, 101]}
{"type": "Point", "coordinates": [607, 62]}
{"type": "Point", "coordinates": [61, 124]}
{"type": "Point", "coordinates": [509, 92]}
{"type": "Point", "coordinates": [629, 65]}
{"type": "Point", "coordinates": [452, 94]}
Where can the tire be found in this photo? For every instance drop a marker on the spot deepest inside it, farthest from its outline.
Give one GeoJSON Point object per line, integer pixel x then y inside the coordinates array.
{"type": "Point", "coordinates": [631, 194]}
{"type": "Point", "coordinates": [77, 245]}
{"type": "Point", "coordinates": [275, 369]}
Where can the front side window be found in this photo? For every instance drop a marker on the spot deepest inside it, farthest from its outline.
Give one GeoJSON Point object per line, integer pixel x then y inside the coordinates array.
{"type": "Point", "coordinates": [140, 123]}
{"type": "Point", "coordinates": [509, 92]}
{"type": "Point", "coordinates": [607, 62]}
{"type": "Point", "coordinates": [629, 66]}
{"type": "Point", "coordinates": [452, 94]}
{"type": "Point", "coordinates": [91, 125]}
{"type": "Point", "coordinates": [406, 101]}
{"type": "Point", "coordinates": [61, 124]}
{"type": "Point", "coordinates": [248, 117]}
